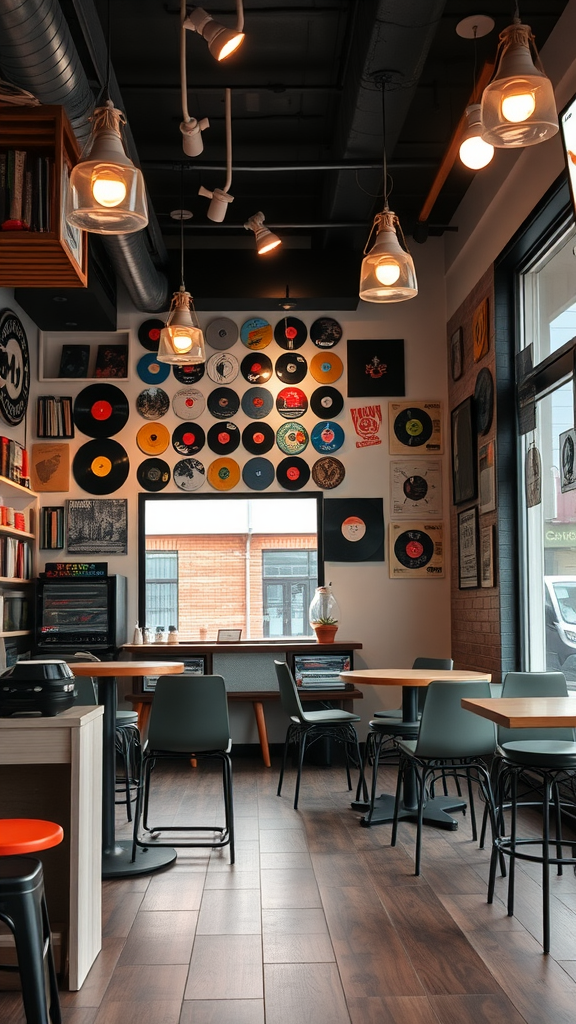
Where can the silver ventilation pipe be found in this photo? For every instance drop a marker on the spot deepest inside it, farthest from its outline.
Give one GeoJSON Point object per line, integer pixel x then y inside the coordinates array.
{"type": "Point", "coordinates": [37, 53]}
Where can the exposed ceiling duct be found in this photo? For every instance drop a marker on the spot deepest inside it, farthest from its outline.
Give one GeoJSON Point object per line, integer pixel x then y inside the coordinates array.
{"type": "Point", "coordinates": [37, 53]}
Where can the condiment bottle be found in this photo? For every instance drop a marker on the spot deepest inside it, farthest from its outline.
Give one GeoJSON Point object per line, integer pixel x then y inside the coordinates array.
{"type": "Point", "coordinates": [160, 637]}
{"type": "Point", "coordinates": [172, 635]}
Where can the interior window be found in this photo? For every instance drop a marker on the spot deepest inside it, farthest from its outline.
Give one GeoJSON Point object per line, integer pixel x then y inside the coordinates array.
{"type": "Point", "coordinates": [229, 562]}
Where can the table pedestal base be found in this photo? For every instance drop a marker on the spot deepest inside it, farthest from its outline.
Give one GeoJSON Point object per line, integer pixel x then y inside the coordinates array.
{"type": "Point", "coordinates": [117, 862]}
{"type": "Point", "coordinates": [435, 811]}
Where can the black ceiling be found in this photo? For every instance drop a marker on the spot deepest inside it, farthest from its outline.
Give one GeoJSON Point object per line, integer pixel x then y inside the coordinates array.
{"type": "Point", "coordinates": [306, 126]}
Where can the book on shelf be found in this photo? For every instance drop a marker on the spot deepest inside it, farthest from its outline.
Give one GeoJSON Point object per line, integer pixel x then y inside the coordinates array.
{"type": "Point", "coordinates": [52, 527]}
{"type": "Point", "coordinates": [25, 182]}
{"type": "Point", "coordinates": [54, 416]}
{"type": "Point", "coordinates": [15, 558]}
{"type": "Point", "coordinates": [74, 361]}
{"type": "Point", "coordinates": [112, 361]}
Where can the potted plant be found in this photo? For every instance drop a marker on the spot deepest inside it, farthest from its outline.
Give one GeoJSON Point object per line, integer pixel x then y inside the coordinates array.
{"type": "Point", "coordinates": [324, 615]}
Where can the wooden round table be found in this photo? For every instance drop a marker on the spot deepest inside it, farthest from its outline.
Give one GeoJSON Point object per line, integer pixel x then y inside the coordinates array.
{"type": "Point", "coordinates": [411, 679]}
{"type": "Point", "coordinates": [117, 856]}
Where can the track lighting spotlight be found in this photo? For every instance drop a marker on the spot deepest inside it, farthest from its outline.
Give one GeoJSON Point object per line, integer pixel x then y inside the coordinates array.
{"type": "Point", "coordinates": [266, 240]}
{"type": "Point", "coordinates": [221, 41]}
{"type": "Point", "coordinates": [220, 197]}
{"type": "Point", "coordinates": [192, 142]}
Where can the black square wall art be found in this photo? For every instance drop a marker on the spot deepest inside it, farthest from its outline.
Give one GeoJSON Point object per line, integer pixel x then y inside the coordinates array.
{"type": "Point", "coordinates": [354, 530]}
{"type": "Point", "coordinates": [375, 368]}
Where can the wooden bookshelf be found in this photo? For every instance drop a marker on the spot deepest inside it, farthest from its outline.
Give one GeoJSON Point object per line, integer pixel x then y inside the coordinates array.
{"type": "Point", "coordinates": [43, 259]}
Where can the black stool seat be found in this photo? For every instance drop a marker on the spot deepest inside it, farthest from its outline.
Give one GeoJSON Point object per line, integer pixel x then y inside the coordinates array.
{"type": "Point", "coordinates": [554, 754]}
{"type": "Point", "coordinates": [23, 909]}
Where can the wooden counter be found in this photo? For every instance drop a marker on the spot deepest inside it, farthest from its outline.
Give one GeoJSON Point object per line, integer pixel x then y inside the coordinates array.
{"type": "Point", "coordinates": [52, 768]}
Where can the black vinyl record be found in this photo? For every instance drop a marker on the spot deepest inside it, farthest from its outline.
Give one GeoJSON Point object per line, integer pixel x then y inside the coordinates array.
{"type": "Point", "coordinates": [258, 438]}
{"type": "Point", "coordinates": [290, 332]}
{"type": "Point", "coordinates": [223, 403]}
{"type": "Point", "coordinates": [101, 410]}
{"type": "Point", "coordinates": [256, 368]}
{"type": "Point", "coordinates": [413, 427]}
{"type": "Point", "coordinates": [189, 374]}
{"type": "Point", "coordinates": [292, 473]}
{"type": "Point", "coordinates": [413, 549]}
{"type": "Point", "coordinates": [149, 334]}
{"type": "Point", "coordinates": [223, 438]}
{"type": "Point", "coordinates": [291, 369]}
{"type": "Point", "coordinates": [101, 466]}
{"type": "Point", "coordinates": [483, 401]}
{"type": "Point", "coordinates": [153, 474]}
{"type": "Point", "coordinates": [354, 529]}
{"type": "Point", "coordinates": [188, 438]}
{"type": "Point", "coordinates": [291, 403]}
{"type": "Point", "coordinates": [258, 474]}
{"type": "Point", "coordinates": [326, 402]}
{"type": "Point", "coordinates": [325, 332]}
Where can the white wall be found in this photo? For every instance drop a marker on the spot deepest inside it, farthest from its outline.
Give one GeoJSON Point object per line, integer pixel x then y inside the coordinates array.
{"type": "Point", "coordinates": [394, 620]}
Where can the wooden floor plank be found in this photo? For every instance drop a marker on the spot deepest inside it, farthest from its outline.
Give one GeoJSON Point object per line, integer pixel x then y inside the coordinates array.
{"type": "Point", "coordinates": [160, 937]}
{"type": "Point", "coordinates": [307, 993]}
{"type": "Point", "coordinates": [230, 912]}
{"type": "Point", "coordinates": [283, 889]}
{"type": "Point", "coordinates": [223, 1011]}
{"type": "Point", "coordinates": [391, 1010]}
{"type": "Point", "coordinates": [226, 967]}
{"type": "Point", "coordinates": [297, 949]}
{"type": "Point", "coordinates": [178, 891]}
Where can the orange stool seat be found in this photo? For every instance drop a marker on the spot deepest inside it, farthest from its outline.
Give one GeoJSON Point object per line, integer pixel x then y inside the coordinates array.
{"type": "Point", "coordinates": [26, 835]}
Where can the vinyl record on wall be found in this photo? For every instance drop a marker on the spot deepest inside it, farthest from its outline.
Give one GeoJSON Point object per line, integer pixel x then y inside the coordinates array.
{"type": "Point", "coordinates": [221, 333]}
{"type": "Point", "coordinates": [325, 332]}
{"type": "Point", "coordinates": [152, 403]}
{"type": "Point", "coordinates": [257, 403]}
{"type": "Point", "coordinates": [189, 374]}
{"type": "Point", "coordinates": [188, 438]}
{"type": "Point", "coordinates": [223, 438]}
{"type": "Point", "coordinates": [223, 403]}
{"type": "Point", "coordinates": [149, 334]}
{"type": "Point", "coordinates": [292, 473]}
{"type": "Point", "coordinates": [223, 474]}
{"type": "Point", "coordinates": [188, 403]}
{"type": "Point", "coordinates": [189, 474]}
{"type": "Point", "coordinates": [153, 474]}
{"type": "Point", "coordinates": [101, 410]}
{"type": "Point", "coordinates": [290, 333]}
{"type": "Point", "coordinates": [258, 438]}
{"type": "Point", "coordinates": [153, 438]}
{"type": "Point", "coordinates": [100, 466]}
{"type": "Point", "coordinates": [354, 529]}
{"type": "Point", "coordinates": [258, 474]}
{"type": "Point", "coordinates": [151, 371]}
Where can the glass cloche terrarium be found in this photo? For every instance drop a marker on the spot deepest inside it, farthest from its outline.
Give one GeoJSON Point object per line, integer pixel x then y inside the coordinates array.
{"type": "Point", "coordinates": [324, 614]}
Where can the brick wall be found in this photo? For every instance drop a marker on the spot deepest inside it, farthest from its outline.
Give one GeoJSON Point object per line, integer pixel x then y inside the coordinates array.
{"type": "Point", "coordinates": [476, 625]}
{"type": "Point", "coordinates": [204, 605]}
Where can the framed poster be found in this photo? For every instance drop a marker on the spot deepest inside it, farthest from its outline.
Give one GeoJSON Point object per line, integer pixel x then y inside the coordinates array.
{"type": "Point", "coordinates": [468, 548]}
{"type": "Point", "coordinates": [464, 479]}
{"type": "Point", "coordinates": [97, 526]}
{"type": "Point", "coordinates": [481, 331]}
{"type": "Point", "coordinates": [456, 360]}
{"type": "Point", "coordinates": [416, 488]}
{"type": "Point", "coordinates": [487, 476]}
{"type": "Point", "coordinates": [487, 556]}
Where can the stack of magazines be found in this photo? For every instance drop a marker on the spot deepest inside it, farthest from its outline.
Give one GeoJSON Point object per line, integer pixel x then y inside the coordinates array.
{"type": "Point", "coordinates": [321, 671]}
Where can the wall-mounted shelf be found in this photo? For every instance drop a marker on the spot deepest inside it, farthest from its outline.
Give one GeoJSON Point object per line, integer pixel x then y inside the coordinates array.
{"type": "Point", "coordinates": [91, 346]}
{"type": "Point", "coordinates": [54, 258]}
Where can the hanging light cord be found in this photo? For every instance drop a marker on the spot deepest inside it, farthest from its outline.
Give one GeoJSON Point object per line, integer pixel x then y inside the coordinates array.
{"type": "Point", "coordinates": [228, 116]}
{"type": "Point", "coordinates": [182, 286]}
{"type": "Point", "coordinates": [385, 189]}
{"type": "Point", "coordinates": [183, 81]}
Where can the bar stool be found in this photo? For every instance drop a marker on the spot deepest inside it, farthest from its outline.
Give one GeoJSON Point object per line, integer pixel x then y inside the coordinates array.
{"type": "Point", "coordinates": [23, 909]}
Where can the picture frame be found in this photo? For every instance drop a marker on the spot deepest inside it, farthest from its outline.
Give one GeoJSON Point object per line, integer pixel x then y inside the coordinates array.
{"type": "Point", "coordinates": [487, 556]}
{"type": "Point", "coordinates": [456, 354]}
{"type": "Point", "coordinates": [481, 331]}
{"type": "Point", "coordinates": [468, 568]}
{"type": "Point", "coordinates": [463, 438]}
{"type": "Point", "coordinates": [228, 636]}
{"type": "Point", "coordinates": [487, 477]}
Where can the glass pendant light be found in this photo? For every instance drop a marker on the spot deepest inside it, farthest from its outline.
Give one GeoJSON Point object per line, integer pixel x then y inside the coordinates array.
{"type": "Point", "coordinates": [181, 340]}
{"type": "Point", "coordinates": [518, 105]}
{"type": "Point", "coordinates": [387, 273]}
{"type": "Point", "coordinates": [107, 194]}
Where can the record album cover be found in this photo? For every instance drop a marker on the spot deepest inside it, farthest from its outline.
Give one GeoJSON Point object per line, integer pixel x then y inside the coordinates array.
{"type": "Point", "coordinates": [354, 530]}
{"type": "Point", "coordinates": [416, 550]}
{"type": "Point", "coordinates": [375, 368]}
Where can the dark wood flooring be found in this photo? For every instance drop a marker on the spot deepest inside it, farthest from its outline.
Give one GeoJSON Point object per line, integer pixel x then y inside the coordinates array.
{"type": "Point", "coordinates": [320, 921]}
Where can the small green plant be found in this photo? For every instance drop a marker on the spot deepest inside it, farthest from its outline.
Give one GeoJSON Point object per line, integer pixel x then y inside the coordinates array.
{"type": "Point", "coordinates": [326, 620]}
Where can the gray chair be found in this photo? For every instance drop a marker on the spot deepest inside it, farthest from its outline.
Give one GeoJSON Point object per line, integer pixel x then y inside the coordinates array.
{"type": "Point", "coordinates": [542, 760]}
{"type": "Point", "coordinates": [449, 739]}
{"type": "Point", "coordinates": [307, 727]}
{"type": "Point", "coordinates": [439, 664]}
{"type": "Point", "coordinates": [188, 719]}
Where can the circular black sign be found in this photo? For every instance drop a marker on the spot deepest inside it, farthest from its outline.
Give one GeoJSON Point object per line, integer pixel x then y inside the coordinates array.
{"type": "Point", "coordinates": [14, 367]}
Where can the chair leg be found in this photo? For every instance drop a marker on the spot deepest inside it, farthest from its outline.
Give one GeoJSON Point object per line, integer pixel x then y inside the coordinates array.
{"type": "Point", "coordinates": [421, 781]}
{"type": "Point", "coordinates": [546, 867]}
{"type": "Point", "coordinates": [287, 742]}
{"type": "Point", "coordinates": [376, 747]}
{"type": "Point", "coordinates": [396, 799]}
{"type": "Point", "coordinates": [513, 835]}
{"type": "Point", "coordinates": [362, 787]}
{"type": "Point", "coordinates": [301, 752]}
{"type": "Point", "coordinates": [228, 803]}
{"type": "Point", "coordinates": [472, 807]}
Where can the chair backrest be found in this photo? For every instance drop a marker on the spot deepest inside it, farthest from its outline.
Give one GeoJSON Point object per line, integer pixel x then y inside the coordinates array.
{"type": "Point", "coordinates": [189, 715]}
{"type": "Point", "coordinates": [447, 730]}
{"type": "Point", "coordinates": [288, 691]}
{"type": "Point", "coordinates": [86, 691]}
{"type": "Point", "coordinates": [442, 664]}
{"type": "Point", "coordinates": [534, 684]}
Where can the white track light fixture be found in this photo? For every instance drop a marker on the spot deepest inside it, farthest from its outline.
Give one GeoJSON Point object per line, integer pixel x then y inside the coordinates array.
{"type": "Point", "coordinates": [518, 105]}
{"type": "Point", "coordinates": [387, 273]}
{"type": "Point", "coordinates": [220, 197]}
{"type": "Point", "coordinates": [221, 41]}
{"type": "Point", "coordinates": [181, 340]}
{"type": "Point", "coordinates": [266, 240]}
{"type": "Point", "coordinates": [474, 151]}
{"type": "Point", "coordinates": [107, 194]}
{"type": "Point", "coordinates": [191, 129]}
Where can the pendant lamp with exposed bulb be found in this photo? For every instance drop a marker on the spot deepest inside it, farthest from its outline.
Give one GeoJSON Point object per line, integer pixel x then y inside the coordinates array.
{"type": "Point", "coordinates": [266, 240]}
{"type": "Point", "coordinates": [106, 192]}
{"type": "Point", "coordinates": [518, 105]}
{"type": "Point", "coordinates": [387, 273]}
{"type": "Point", "coordinates": [181, 340]}
{"type": "Point", "coordinates": [221, 41]}
{"type": "Point", "coordinates": [474, 151]}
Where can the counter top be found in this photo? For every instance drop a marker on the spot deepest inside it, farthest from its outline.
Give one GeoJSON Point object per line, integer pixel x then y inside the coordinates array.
{"type": "Point", "coordinates": [306, 645]}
